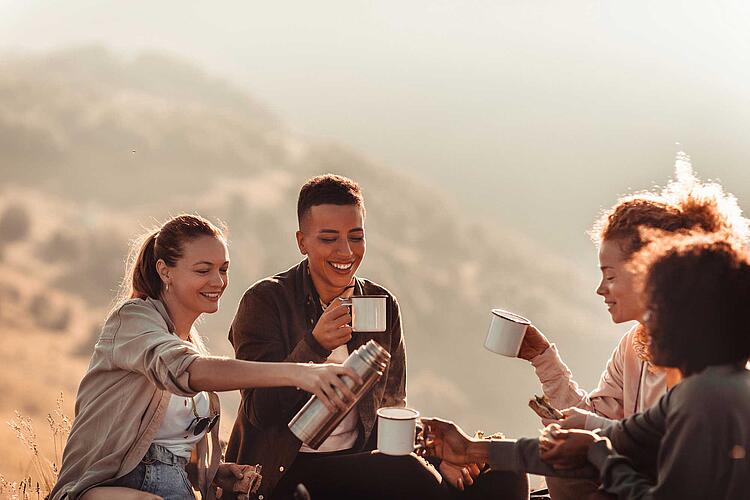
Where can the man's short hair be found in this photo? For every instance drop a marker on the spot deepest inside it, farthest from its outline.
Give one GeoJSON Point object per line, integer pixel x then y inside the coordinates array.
{"type": "Point", "coordinates": [328, 189]}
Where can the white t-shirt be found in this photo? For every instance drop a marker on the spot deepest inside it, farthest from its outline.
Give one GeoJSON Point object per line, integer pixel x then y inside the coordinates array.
{"type": "Point", "coordinates": [172, 434]}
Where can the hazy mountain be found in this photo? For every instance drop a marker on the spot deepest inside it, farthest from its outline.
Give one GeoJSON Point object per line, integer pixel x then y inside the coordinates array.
{"type": "Point", "coordinates": [95, 147]}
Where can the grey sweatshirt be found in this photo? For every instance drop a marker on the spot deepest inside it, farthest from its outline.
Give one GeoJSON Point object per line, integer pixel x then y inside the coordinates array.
{"type": "Point", "coordinates": [694, 444]}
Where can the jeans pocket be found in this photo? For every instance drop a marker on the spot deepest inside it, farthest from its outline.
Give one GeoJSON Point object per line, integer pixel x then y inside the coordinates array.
{"type": "Point", "coordinates": [185, 479]}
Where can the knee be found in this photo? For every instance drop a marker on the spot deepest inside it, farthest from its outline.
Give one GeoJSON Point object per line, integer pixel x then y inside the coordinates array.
{"type": "Point", "coordinates": [414, 466]}
{"type": "Point", "coordinates": [504, 484]}
{"type": "Point", "coordinates": [408, 476]}
{"type": "Point", "coordinates": [117, 493]}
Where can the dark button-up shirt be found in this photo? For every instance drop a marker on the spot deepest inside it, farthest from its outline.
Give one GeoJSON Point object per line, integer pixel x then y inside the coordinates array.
{"type": "Point", "coordinates": [274, 322]}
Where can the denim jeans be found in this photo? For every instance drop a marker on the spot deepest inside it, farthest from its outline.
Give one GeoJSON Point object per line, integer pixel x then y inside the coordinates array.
{"type": "Point", "coordinates": [161, 473]}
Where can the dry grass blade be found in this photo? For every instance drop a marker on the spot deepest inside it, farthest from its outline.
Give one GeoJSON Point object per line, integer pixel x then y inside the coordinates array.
{"type": "Point", "coordinates": [45, 470]}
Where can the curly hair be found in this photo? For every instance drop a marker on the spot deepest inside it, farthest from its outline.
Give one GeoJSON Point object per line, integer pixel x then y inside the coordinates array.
{"type": "Point", "coordinates": [685, 203]}
{"type": "Point", "coordinates": [697, 289]}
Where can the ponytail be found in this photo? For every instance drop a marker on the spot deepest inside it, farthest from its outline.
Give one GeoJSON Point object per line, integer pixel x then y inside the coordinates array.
{"type": "Point", "coordinates": [146, 282]}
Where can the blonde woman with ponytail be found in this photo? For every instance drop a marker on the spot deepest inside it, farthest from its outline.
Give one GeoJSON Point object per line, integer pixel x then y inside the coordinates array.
{"type": "Point", "coordinates": [147, 401]}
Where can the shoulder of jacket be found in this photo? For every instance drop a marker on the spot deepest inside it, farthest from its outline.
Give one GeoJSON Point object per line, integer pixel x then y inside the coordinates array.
{"type": "Point", "coordinates": [135, 312]}
{"type": "Point", "coordinates": [709, 389]}
{"type": "Point", "coordinates": [266, 287]}
{"type": "Point", "coordinates": [372, 288]}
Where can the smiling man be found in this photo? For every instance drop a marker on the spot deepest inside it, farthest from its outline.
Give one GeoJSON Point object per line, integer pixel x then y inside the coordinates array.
{"type": "Point", "coordinates": [296, 316]}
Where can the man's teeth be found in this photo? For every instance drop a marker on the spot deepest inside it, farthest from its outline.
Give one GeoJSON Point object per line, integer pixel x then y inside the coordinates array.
{"type": "Point", "coordinates": [342, 267]}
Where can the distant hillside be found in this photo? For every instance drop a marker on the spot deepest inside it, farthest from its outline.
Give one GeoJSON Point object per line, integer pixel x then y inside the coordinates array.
{"type": "Point", "coordinates": [95, 147]}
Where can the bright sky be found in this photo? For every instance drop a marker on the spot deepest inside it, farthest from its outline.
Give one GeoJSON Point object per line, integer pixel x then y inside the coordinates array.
{"type": "Point", "coordinates": [521, 110]}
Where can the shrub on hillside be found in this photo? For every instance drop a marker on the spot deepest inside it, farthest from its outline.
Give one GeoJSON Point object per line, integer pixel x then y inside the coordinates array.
{"type": "Point", "coordinates": [59, 247]}
{"type": "Point", "coordinates": [49, 315]}
{"type": "Point", "coordinates": [15, 224]}
{"type": "Point", "coordinates": [98, 268]}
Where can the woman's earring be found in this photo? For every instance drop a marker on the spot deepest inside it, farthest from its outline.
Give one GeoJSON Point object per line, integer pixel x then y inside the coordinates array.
{"type": "Point", "coordinates": [167, 288]}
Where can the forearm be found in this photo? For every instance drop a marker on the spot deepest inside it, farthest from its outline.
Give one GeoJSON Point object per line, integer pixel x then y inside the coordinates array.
{"type": "Point", "coordinates": [618, 475]}
{"type": "Point", "coordinates": [639, 437]}
{"type": "Point", "coordinates": [224, 374]}
{"type": "Point", "coordinates": [272, 404]}
{"type": "Point", "coordinates": [557, 381]}
{"type": "Point", "coordinates": [519, 456]}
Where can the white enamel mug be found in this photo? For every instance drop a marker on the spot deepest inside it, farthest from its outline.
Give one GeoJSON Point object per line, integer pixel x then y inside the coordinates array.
{"type": "Point", "coordinates": [397, 430]}
{"type": "Point", "coordinates": [506, 333]}
{"type": "Point", "coordinates": [368, 312]}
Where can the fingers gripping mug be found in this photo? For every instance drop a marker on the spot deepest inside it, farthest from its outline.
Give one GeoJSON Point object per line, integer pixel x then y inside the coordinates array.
{"type": "Point", "coordinates": [506, 333]}
{"type": "Point", "coordinates": [368, 312]}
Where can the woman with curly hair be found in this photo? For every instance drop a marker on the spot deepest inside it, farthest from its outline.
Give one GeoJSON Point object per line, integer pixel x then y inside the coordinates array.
{"type": "Point", "coordinates": [631, 381]}
{"type": "Point", "coordinates": [694, 442]}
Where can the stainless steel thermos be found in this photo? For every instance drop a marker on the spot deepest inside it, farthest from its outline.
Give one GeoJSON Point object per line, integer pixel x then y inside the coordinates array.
{"type": "Point", "coordinates": [314, 422]}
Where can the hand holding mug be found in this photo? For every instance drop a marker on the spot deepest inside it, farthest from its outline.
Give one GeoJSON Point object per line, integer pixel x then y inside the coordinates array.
{"type": "Point", "coordinates": [444, 439]}
{"type": "Point", "coordinates": [368, 312]}
{"type": "Point", "coordinates": [332, 329]}
{"type": "Point", "coordinates": [534, 343]}
{"type": "Point", "coordinates": [506, 332]}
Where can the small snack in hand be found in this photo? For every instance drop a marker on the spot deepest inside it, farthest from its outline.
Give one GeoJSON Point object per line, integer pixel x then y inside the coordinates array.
{"type": "Point", "coordinates": [249, 484]}
{"type": "Point", "coordinates": [496, 435]}
{"type": "Point", "coordinates": [543, 408]}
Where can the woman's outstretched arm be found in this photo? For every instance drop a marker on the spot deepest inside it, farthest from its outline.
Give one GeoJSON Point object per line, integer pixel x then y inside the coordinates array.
{"type": "Point", "coordinates": [209, 373]}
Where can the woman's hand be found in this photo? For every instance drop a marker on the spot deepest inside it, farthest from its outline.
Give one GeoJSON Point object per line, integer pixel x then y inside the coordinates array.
{"type": "Point", "coordinates": [565, 449]}
{"type": "Point", "coordinates": [457, 476]}
{"type": "Point", "coordinates": [534, 343]}
{"type": "Point", "coordinates": [575, 418]}
{"type": "Point", "coordinates": [325, 382]}
{"type": "Point", "coordinates": [241, 479]}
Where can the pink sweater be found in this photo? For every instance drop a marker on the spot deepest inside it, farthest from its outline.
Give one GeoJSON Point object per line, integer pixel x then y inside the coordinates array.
{"type": "Point", "coordinates": [628, 385]}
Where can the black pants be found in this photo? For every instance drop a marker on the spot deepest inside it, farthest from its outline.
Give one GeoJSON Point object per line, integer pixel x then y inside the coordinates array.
{"type": "Point", "coordinates": [374, 476]}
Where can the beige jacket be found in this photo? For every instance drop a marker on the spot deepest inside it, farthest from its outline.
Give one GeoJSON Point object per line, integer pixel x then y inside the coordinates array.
{"type": "Point", "coordinates": [138, 362]}
{"type": "Point", "coordinates": [628, 385]}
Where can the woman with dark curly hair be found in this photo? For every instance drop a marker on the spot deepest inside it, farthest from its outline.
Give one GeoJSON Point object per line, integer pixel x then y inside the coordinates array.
{"type": "Point", "coordinates": [694, 443]}
{"type": "Point", "coordinates": [631, 382]}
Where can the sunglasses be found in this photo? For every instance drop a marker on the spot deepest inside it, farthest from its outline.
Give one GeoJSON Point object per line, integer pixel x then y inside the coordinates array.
{"type": "Point", "coordinates": [200, 424]}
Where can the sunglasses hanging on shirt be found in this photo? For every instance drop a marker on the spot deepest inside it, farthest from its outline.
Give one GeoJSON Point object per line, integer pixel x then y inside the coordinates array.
{"type": "Point", "coordinates": [200, 424]}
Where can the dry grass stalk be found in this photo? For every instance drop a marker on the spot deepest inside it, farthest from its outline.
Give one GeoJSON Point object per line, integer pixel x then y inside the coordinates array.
{"type": "Point", "coordinates": [25, 490]}
{"type": "Point", "coordinates": [44, 469]}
